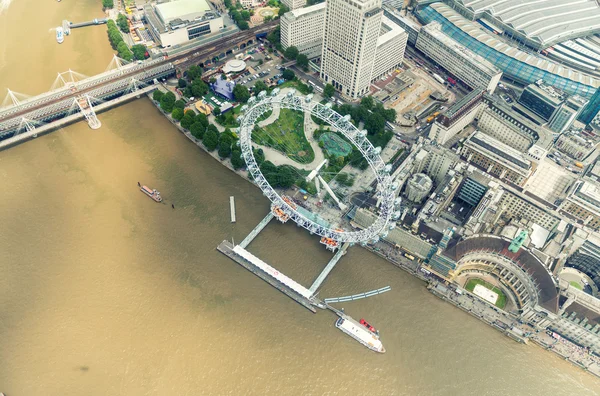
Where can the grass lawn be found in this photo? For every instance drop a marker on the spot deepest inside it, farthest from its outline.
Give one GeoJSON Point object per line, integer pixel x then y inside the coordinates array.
{"type": "Point", "coordinates": [500, 303]}
{"type": "Point", "coordinates": [576, 285]}
{"type": "Point", "coordinates": [286, 135]}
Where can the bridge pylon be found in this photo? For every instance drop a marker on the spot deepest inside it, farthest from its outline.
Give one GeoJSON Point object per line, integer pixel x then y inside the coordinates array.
{"type": "Point", "coordinates": [85, 106]}
{"type": "Point", "coordinates": [68, 78]}
{"type": "Point", "coordinates": [13, 98]}
{"type": "Point", "coordinates": [26, 124]}
{"type": "Point", "coordinates": [116, 63]}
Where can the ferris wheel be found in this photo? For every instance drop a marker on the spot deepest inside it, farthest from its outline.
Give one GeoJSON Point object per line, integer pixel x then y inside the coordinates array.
{"type": "Point", "coordinates": [282, 206]}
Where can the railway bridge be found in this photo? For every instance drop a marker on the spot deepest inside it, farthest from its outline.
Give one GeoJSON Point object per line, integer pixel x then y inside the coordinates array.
{"type": "Point", "coordinates": [73, 92]}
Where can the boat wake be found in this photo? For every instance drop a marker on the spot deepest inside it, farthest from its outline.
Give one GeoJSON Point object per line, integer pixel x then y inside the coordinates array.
{"type": "Point", "coordinates": [4, 5]}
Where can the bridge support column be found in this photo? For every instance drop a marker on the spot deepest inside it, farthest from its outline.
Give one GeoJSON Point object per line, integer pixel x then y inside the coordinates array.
{"type": "Point", "coordinates": [85, 105]}
{"type": "Point", "coordinates": [256, 230]}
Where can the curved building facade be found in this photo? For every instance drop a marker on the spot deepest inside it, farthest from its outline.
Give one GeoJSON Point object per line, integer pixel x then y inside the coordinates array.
{"type": "Point", "coordinates": [539, 24]}
{"type": "Point", "coordinates": [530, 286]}
{"type": "Point", "coordinates": [515, 64]}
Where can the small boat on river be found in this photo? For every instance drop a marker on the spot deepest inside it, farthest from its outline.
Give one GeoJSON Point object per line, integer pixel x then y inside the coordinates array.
{"type": "Point", "coordinates": [155, 195]}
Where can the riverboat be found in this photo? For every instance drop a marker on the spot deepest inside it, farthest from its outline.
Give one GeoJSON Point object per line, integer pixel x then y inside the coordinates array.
{"type": "Point", "coordinates": [360, 333]}
{"type": "Point", "coordinates": [155, 195]}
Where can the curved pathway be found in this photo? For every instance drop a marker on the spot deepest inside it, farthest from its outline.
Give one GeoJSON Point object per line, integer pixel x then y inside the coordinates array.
{"type": "Point", "coordinates": [278, 158]}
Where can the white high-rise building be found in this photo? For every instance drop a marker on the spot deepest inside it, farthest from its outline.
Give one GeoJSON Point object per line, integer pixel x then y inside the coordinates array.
{"type": "Point", "coordinates": [390, 48]}
{"type": "Point", "coordinates": [303, 29]}
{"type": "Point", "coordinates": [294, 4]}
{"type": "Point", "coordinates": [352, 28]}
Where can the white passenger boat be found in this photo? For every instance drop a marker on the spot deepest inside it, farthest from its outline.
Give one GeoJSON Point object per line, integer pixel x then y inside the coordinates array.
{"type": "Point", "coordinates": [360, 333]}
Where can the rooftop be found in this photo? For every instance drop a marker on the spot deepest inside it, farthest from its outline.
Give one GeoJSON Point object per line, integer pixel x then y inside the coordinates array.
{"type": "Point", "coordinates": [589, 193]}
{"type": "Point", "coordinates": [544, 21]}
{"type": "Point", "coordinates": [434, 29]}
{"type": "Point", "coordinates": [499, 149]}
{"type": "Point", "coordinates": [393, 31]}
{"type": "Point", "coordinates": [178, 8]}
{"type": "Point", "coordinates": [487, 39]}
{"type": "Point", "coordinates": [305, 11]}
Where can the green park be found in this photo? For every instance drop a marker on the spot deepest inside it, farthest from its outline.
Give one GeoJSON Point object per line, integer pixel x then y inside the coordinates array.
{"type": "Point", "coordinates": [286, 135]}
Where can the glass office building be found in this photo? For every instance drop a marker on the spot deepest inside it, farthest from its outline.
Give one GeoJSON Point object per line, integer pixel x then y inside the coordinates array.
{"type": "Point", "coordinates": [514, 63]}
{"type": "Point", "coordinates": [592, 108]}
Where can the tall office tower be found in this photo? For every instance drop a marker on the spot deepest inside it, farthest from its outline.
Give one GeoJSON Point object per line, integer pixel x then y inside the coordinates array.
{"type": "Point", "coordinates": [592, 109]}
{"type": "Point", "coordinates": [352, 28]}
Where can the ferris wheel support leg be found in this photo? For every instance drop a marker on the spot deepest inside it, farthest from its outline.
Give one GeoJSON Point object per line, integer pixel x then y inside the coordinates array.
{"type": "Point", "coordinates": [330, 191]}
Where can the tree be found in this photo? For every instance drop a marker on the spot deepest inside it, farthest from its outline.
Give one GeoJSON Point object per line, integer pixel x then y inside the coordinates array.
{"type": "Point", "coordinates": [217, 111]}
{"type": "Point", "coordinates": [240, 93]}
{"type": "Point", "coordinates": [225, 142]}
{"type": "Point", "coordinates": [223, 76]}
{"type": "Point", "coordinates": [266, 19]}
{"type": "Point", "coordinates": [197, 129]}
{"type": "Point", "coordinates": [139, 51]}
{"type": "Point", "coordinates": [302, 61]}
{"type": "Point", "coordinates": [211, 138]}
{"type": "Point", "coordinates": [212, 80]}
{"type": "Point", "coordinates": [188, 119]}
{"type": "Point", "coordinates": [328, 91]}
{"type": "Point", "coordinates": [275, 36]}
{"type": "Point", "coordinates": [282, 9]}
{"type": "Point", "coordinates": [374, 123]}
{"type": "Point", "coordinates": [291, 52]}
{"type": "Point", "coordinates": [202, 119]}
{"type": "Point", "coordinates": [177, 114]}
{"type": "Point", "coordinates": [236, 159]}
{"type": "Point", "coordinates": [167, 102]}
{"type": "Point", "coordinates": [260, 86]}
{"type": "Point", "coordinates": [245, 15]}
{"type": "Point", "coordinates": [181, 83]}
{"type": "Point", "coordinates": [122, 23]}
{"type": "Point", "coordinates": [194, 72]}
{"type": "Point", "coordinates": [243, 25]}
{"type": "Point", "coordinates": [107, 4]}
{"type": "Point", "coordinates": [199, 88]}
{"type": "Point", "coordinates": [367, 102]}
{"type": "Point", "coordinates": [157, 95]}
{"type": "Point", "coordinates": [288, 74]}
{"type": "Point", "coordinates": [227, 3]}
{"type": "Point", "coordinates": [180, 104]}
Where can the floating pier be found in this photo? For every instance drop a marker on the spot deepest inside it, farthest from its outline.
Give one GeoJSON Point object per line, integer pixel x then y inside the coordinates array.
{"type": "Point", "coordinates": [232, 208]}
{"type": "Point", "coordinates": [269, 274]}
{"type": "Point", "coordinates": [67, 26]}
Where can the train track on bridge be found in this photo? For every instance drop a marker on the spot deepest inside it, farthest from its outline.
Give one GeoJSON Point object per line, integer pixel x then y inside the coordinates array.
{"type": "Point", "coordinates": [85, 87]}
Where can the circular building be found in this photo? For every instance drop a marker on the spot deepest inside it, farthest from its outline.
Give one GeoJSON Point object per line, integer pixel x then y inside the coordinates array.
{"type": "Point", "coordinates": [418, 187]}
{"type": "Point", "coordinates": [234, 66]}
{"type": "Point", "coordinates": [526, 281]}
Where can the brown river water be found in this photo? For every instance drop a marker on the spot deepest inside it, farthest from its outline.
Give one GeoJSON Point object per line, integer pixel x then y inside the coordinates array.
{"type": "Point", "coordinates": [103, 291]}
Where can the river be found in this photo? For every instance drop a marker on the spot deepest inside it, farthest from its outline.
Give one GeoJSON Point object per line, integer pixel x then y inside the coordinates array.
{"type": "Point", "coordinates": [103, 291]}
